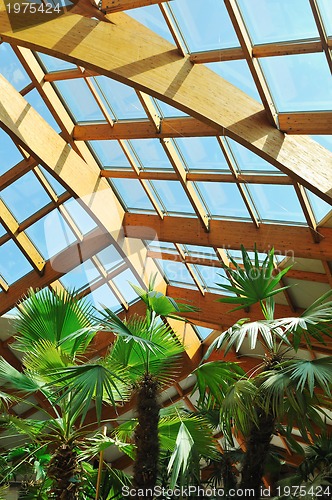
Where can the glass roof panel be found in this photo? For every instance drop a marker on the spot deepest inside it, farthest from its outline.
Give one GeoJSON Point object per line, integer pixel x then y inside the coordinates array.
{"type": "Point", "coordinates": [300, 82]}
{"type": "Point", "coordinates": [173, 197]}
{"type": "Point", "coordinates": [110, 258]}
{"type": "Point", "coordinates": [326, 11]}
{"type": "Point", "coordinates": [157, 245]}
{"type": "Point", "coordinates": [123, 283]}
{"type": "Point", "coordinates": [223, 199]}
{"type": "Point", "coordinates": [110, 154]}
{"type": "Point", "coordinates": [25, 196]}
{"type": "Point", "coordinates": [104, 297]}
{"type": "Point", "coordinates": [81, 218]}
{"type": "Point", "coordinates": [81, 276]}
{"type": "Point", "coordinates": [121, 99]}
{"type": "Point", "coordinates": [153, 19]}
{"type": "Point", "coordinates": [51, 234]}
{"type": "Point", "coordinates": [132, 194]}
{"type": "Point", "coordinates": [200, 251]}
{"type": "Point", "coordinates": [238, 74]}
{"type": "Point", "coordinates": [54, 64]}
{"type": "Point", "coordinates": [151, 154]}
{"type": "Point", "coordinates": [319, 206]}
{"type": "Point", "coordinates": [35, 100]}
{"type": "Point", "coordinates": [324, 140]}
{"type": "Point", "coordinates": [202, 153]}
{"type": "Point", "coordinates": [168, 111]}
{"type": "Point", "coordinates": [176, 272]}
{"type": "Point", "coordinates": [204, 25]}
{"type": "Point", "coordinates": [11, 68]}
{"type": "Point", "coordinates": [276, 203]}
{"type": "Point", "coordinates": [13, 264]}
{"type": "Point", "coordinates": [9, 153]}
{"type": "Point", "coordinates": [278, 20]}
{"type": "Point", "coordinates": [55, 185]}
{"type": "Point", "coordinates": [247, 161]}
{"type": "Point", "coordinates": [2, 230]}
{"type": "Point", "coordinates": [80, 100]}
{"type": "Point", "coordinates": [202, 331]}
{"type": "Point", "coordinates": [210, 276]}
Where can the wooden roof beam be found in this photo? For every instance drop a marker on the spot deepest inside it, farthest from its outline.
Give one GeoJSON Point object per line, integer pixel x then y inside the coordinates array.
{"type": "Point", "coordinates": [111, 6]}
{"type": "Point", "coordinates": [286, 240]}
{"type": "Point", "coordinates": [322, 31]}
{"type": "Point", "coordinates": [143, 129]}
{"type": "Point", "coordinates": [306, 123]}
{"type": "Point", "coordinates": [161, 72]}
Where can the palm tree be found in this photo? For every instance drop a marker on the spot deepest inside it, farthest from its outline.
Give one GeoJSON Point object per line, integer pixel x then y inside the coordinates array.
{"type": "Point", "coordinates": [55, 331]}
{"type": "Point", "coordinates": [254, 405]}
{"type": "Point", "coordinates": [149, 371]}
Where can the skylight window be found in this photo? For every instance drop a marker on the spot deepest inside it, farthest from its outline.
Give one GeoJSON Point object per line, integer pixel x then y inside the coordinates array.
{"type": "Point", "coordinates": [80, 100]}
{"type": "Point", "coordinates": [35, 100]}
{"type": "Point", "coordinates": [223, 199]}
{"type": "Point", "coordinates": [104, 297]}
{"type": "Point", "coordinates": [110, 258]}
{"type": "Point", "coordinates": [326, 11]}
{"type": "Point", "coordinates": [299, 82]}
{"type": "Point", "coordinates": [277, 203]}
{"type": "Point", "coordinates": [237, 73]}
{"type": "Point", "coordinates": [81, 276]}
{"type": "Point", "coordinates": [173, 197]}
{"type": "Point", "coordinates": [204, 25]}
{"type": "Point", "coordinates": [151, 154]}
{"type": "Point", "coordinates": [153, 19]}
{"type": "Point", "coordinates": [123, 282]}
{"type": "Point", "coordinates": [81, 218]}
{"type": "Point", "coordinates": [176, 273]}
{"type": "Point", "coordinates": [202, 153]}
{"type": "Point", "coordinates": [11, 68]}
{"type": "Point", "coordinates": [13, 264]}
{"type": "Point", "coordinates": [110, 154]}
{"type": "Point", "coordinates": [247, 161]}
{"type": "Point", "coordinates": [54, 64]}
{"type": "Point", "coordinates": [9, 153]}
{"type": "Point", "coordinates": [278, 20]}
{"type": "Point", "coordinates": [25, 196]}
{"type": "Point", "coordinates": [132, 194]}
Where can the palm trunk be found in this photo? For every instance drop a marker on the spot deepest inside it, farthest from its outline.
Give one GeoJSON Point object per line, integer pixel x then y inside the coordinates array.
{"type": "Point", "coordinates": [146, 436]}
{"type": "Point", "coordinates": [257, 450]}
{"type": "Point", "coordinates": [63, 469]}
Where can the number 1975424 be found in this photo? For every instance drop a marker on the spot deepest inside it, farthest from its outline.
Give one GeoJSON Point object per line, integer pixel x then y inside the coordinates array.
{"type": "Point", "coordinates": [32, 8]}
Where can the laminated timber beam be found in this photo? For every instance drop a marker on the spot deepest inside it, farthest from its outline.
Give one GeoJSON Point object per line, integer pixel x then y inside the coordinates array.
{"type": "Point", "coordinates": [143, 129]}
{"type": "Point", "coordinates": [287, 240]}
{"type": "Point", "coordinates": [145, 61]}
{"type": "Point", "coordinates": [111, 6]}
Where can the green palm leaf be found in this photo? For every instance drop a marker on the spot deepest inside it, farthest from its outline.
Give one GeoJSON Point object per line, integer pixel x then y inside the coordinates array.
{"type": "Point", "coordinates": [311, 373]}
{"type": "Point", "coordinates": [48, 316]}
{"type": "Point", "coordinates": [13, 379]}
{"type": "Point", "coordinates": [254, 283]}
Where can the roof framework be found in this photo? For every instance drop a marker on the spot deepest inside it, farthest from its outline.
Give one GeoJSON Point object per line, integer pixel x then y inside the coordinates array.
{"type": "Point", "coordinates": [147, 177]}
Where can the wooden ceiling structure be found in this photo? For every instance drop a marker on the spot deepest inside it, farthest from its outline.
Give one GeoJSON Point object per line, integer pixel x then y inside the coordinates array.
{"type": "Point", "coordinates": [102, 40]}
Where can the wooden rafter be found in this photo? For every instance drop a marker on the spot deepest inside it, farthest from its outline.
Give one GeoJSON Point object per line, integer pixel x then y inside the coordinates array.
{"type": "Point", "coordinates": [310, 122]}
{"type": "Point", "coordinates": [287, 240]}
{"type": "Point", "coordinates": [111, 6]}
{"type": "Point", "coordinates": [162, 72]}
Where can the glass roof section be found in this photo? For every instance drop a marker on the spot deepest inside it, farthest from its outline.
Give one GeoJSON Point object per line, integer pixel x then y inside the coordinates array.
{"type": "Point", "coordinates": [143, 176]}
{"type": "Point", "coordinates": [300, 82]}
{"type": "Point", "coordinates": [278, 20]}
{"type": "Point", "coordinates": [204, 25]}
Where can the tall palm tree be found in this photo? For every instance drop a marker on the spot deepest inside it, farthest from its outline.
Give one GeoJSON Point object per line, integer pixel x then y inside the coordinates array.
{"type": "Point", "coordinates": [254, 405]}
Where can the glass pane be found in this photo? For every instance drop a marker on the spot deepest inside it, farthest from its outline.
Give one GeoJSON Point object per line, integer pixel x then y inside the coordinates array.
{"type": "Point", "coordinates": [151, 154]}
{"type": "Point", "coordinates": [212, 275]}
{"type": "Point", "coordinates": [319, 206]}
{"type": "Point", "coordinates": [277, 203]}
{"type": "Point", "coordinates": [176, 272]}
{"type": "Point", "coordinates": [2, 230]}
{"type": "Point", "coordinates": [123, 282]}
{"type": "Point", "coordinates": [13, 264]}
{"type": "Point", "coordinates": [153, 19]}
{"type": "Point", "coordinates": [202, 153]}
{"type": "Point", "coordinates": [200, 252]}
{"type": "Point", "coordinates": [81, 277]}
{"type": "Point", "coordinates": [25, 196]}
{"type": "Point", "coordinates": [278, 20]}
{"type": "Point", "coordinates": [173, 197]}
{"type": "Point", "coordinates": [326, 11]}
{"type": "Point", "coordinates": [80, 100]}
{"type": "Point", "coordinates": [324, 140]}
{"type": "Point", "coordinates": [238, 74]}
{"type": "Point", "coordinates": [132, 194]}
{"type": "Point", "coordinates": [9, 154]}
{"type": "Point", "coordinates": [122, 99]}
{"type": "Point", "coordinates": [81, 218]}
{"type": "Point", "coordinates": [110, 258]}
{"type": "Point", "coordinates": [34, 98]}
{"type": "Point", "coordinates": [110, 154]}
{"type": "Point", "coordinates": [11, 68]}
{"type": "Point", "coordinates": [203, 332]}
{"type": "Point", "coordinates": [168, 111]}
{"type": "Point", "coordinates": [104, 297]}
{"type": "Point", "coordinates": [51, 235]}
{"type": "Point", "coordinates": [55, 185]}
{"type": "Point", "coordinates": [247, 161]}
{"type": "Point", "coordinates": [223, 199]}
{"type": "Point", "coordinates": [205, 25]}
{"type": "Point", "coordinates": [299, 82]}
{"type": "Point", "coordinates": [54, 64]}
